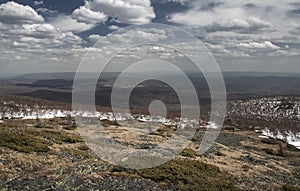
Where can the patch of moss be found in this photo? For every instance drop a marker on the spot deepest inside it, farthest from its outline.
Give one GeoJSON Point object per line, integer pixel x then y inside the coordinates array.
{"type": "Point", "coordinates": [163, 131]}
{"type": "Point", "coordinates": [288, 187]}
{"type": "Point", "coordinates": [269, 141]}
{"type": "Point", "coordinates": [23, 141]}
{"type": "Point", "coordinates": [188, 152]}
{"type": "Point", "coordinates": [36, 140]}
{"type": "Point", "coordinates": [57, 137]}
{"type": "Point", "coordinates": [72, 139]}
{"type": "Point", "coordinates": [77, 154]}
{"type": "Point", "coordinates": [186, 175]}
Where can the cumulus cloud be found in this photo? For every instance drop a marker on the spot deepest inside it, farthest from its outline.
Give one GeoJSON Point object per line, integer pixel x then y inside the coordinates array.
{"type": "Point", "coordinates": [259, 45]}
{"type": "Point", "coordinates": [85, 15]}
{"type": "Point", "coordinates": [14, 13]}
{"type": "Point", "coordinates": [250, 25]}
{"type": "Point", "coordinates": [47, 12]}
{"type": "Point", "coordinates": [243, 29]}
{"type": "Point", "coordinates": [36, 30]}
{"type": "Point", "coordinates": [124, 11]}
{"type": "Point", "coordinates": [233, 30]}
{"type": "Point", "coordinates": [138, 36]}
{"type": "Point", "coordinates": [95, 37]}
{"type": "Point", "coordinates": [113, 27]}
{"type": "Point", "coordinates": [238, 16]}
{"type": "Point", "coordinates": [200, 17]}
{"type": "Point", "coordinates": [67, 23]}
{"type": "Point", "coordinates": [41, 36]}
{"type": "Point", "coordinates": [25, 34]}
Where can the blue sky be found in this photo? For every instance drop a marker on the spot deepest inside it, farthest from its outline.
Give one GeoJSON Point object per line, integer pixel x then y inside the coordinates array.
{"type": "Point", "coordinates": [54, 35]}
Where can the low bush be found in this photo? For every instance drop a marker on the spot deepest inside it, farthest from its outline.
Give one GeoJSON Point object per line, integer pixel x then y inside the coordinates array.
{"type": "Point", "coordinates": [22, 141]}
{"type": "Point", "coordinates": [163, 131]}
{"type": "Point", "coordinates": [269, 141]}
{"type": "Point", "coordinates": [269, 151]}
{"type": "Point", "coordinates": [76, 154]}
{"type": "Point", "coordinates": [56, 136]}
{"type": "Point", "coordinates": [36, 140]}
{"type": "Point", "coordinates": [186, 175]}
{"type": "Point", "coordinates": [188, 152]}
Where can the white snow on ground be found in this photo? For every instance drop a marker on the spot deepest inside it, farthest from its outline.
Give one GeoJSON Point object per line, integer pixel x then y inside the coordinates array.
{"type": "Point", "coordinates": [30, 117]}
{"type": "Point", "coordinates": [296, 144]}
{"type": "Point", "coordinates": [290, 137]}
{"type": "Point", "coordinates": [263, 136]}
{"type": "Point", "coordinates": [212, 125]}
{"type": "Point", "coordinates": [24, 112]}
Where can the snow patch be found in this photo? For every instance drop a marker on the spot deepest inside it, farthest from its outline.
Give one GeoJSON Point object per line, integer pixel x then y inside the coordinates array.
{"type": "Point", "coordinates": [289, 136]}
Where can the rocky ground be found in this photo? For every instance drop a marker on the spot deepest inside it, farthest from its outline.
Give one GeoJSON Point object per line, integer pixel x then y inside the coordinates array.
{"type": "Point", "coordinates": [54, 157]}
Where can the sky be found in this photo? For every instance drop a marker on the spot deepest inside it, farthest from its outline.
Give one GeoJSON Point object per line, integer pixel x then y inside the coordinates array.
{"type": "Point", "coordinates": [54, 35]}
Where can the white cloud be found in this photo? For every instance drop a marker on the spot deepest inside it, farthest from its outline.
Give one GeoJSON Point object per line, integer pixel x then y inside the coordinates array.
{"type": "Point", "coordinates": [236, 54]}
{"type": "Point", "coordinates": [250, 25]}
{"type": "Point", "coordinates": [243, 29]}
{"type": "Point", "coordinates": [27, 39]}
{"type": "Point", "coordinates": [258, 45]}
{"type": "Point", "coordinates": [23, 27]}
{"type": "Point", "coordinates": [38, 2]}
{"type": "Point", "coordinates": [236, 15]}
{"type": "Point", "coordinates": [47, 12]}
{"type": "Point", "coordinates": [182, 2]}
{"type": "Point", "coordinates": [124, 11]}
{"type": "Point", "coordinates": [138, 36]}
{"type": "Point", "coordinates": [220, 50]}
{"type": "Point", "coordinates": [41, 36]}
{"type": "Point", "coordinates": [36, 30]}
{"type": "Point", "coordinates": [95, 37]}
{"type": "Point", "coordinates": [233, 30]}
{"type": "Point", "coordinates": [206, 17]}
{"type": "Point", "coordinates": [14, 13]}
{"type": "Point", "coordinates": [113, 27]}
{"type": "Point", "coordinates": [66, 23]}
{"type": "Point", "coordinates": [285, 53]}
{"type": "Point", "coordinates": [85, 15]}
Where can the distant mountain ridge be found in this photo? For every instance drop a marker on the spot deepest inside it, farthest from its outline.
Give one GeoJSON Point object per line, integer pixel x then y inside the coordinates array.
{"type": "Point", "coordinates": [71, 75]}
